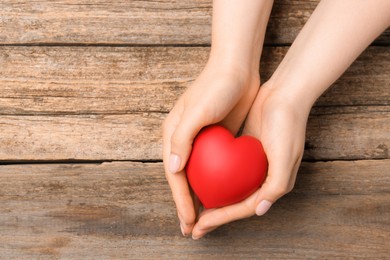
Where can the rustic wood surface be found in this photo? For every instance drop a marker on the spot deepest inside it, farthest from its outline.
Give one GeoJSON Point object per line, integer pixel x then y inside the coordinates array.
{"type": "Point", "coordinates": [124, 210]}
{"type": "Point", "coordinates": [135, 22]}
{"type": "Point", "coordinates": [92, 81]}
{"type": "Point", "coordinates": [102, 80]}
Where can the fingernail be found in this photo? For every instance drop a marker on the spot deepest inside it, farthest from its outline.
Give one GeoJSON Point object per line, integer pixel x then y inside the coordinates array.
{"type": "Point", "coordinates": [182, 229]}
{"type": "Point", "coordinates": [195, 237]}
{"type": "Point", "coordinates": [174, 163]}
{"type": "Point", "coordinates": [263, 207]}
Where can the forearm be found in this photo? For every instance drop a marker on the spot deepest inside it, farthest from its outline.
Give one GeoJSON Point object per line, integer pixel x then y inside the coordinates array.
{"type": "Point", "coordinates": [334, 36]}
{"type": "Point", "coordinates": [238, 29]}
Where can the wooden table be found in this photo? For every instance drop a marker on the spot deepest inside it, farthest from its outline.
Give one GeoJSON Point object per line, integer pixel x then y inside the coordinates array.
{"type": "Point", "coordinates": [84, 88]}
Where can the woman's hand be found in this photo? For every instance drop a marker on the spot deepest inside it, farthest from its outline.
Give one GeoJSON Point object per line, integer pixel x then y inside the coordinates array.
{"type": "Point", "coordinates": [219, 94]}
{"type": "Point", "coordinates": [223, 93]}
{"type": "Point", "coordinates": [280, 124]}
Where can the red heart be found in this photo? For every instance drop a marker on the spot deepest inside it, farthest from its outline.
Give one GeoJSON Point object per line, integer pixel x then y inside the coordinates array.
{"type": "Point", "coordinates": [224, 170]}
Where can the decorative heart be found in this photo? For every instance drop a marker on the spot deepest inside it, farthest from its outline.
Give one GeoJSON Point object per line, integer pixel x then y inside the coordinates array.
{"type": "Point", "coordinates": [224, 170]}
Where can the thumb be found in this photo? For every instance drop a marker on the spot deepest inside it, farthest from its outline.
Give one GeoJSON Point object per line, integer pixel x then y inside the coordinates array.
{"type": "Point", "coordinates": [274, 187]}
{"type": "Point", "coordinates": [181, 141]}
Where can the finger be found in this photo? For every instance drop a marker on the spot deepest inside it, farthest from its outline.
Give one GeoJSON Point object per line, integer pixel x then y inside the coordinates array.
{"type": "Point", "coordinates": [182, 138]}
{"type": "Point", "coordinates": [284, 156]}
{"type": "Point", "coordinates": [277, 184]}
{"type": "Point", "coordinates": [183, 200]}
{"type": "Point", "coordinates": [178, 182]}
{"type": "Point", "coordinates": [197, 203]}
{"type": "Point", "coordinates": [211, 219]}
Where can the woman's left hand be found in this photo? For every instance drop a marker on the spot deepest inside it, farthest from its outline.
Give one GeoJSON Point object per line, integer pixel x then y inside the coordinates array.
{"type": "Point", "coordinates": [280, 126]}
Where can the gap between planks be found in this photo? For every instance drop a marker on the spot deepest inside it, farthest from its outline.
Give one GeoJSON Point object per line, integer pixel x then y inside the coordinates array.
{"type": "Point", "coordinates": [99, 162]}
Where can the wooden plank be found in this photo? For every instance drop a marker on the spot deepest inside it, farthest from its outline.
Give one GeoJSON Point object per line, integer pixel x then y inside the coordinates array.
{"type": "Point", "coordinates": [74, 80]}
{"type": "Point", "coordinates": [103, 80]}
{"type": "Point", "coordinates": [135, 22]}
{"type": "Point", "coordinates": [289, 17]}
{"type": "Point", "coordinates": [348, 133]}
{"type": "Point", "coordinates": [332, 133]}
{"type": "Point", "coordinates": [108, 137]}
{"type": "Point", "coordinates": [125, 211]}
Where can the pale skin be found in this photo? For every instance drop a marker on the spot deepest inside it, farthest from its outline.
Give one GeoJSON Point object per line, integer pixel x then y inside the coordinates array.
{"type": "Point", "coordinates": [335, 35]}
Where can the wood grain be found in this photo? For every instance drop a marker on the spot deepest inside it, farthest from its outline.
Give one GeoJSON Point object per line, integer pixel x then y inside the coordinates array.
{"type": "Point", "coordinates": [93, 81]}
{"type": "Point", "coordinates": [135, 22]}
{"type": "Point", "coordinates": [102, 80]}
{"type": "Point", "coordinates": [348, 133]}
{"type": "Point", "coordinates": [333, 133]}
{"type": "Point", "coordinates": [78, 80]}
{"type": "Point", "coordinates": [108, 137]}
{"type": "Point", "coordinates": [124, 210]}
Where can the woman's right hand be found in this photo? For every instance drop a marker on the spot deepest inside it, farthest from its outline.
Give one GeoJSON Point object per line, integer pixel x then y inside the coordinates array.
{"type": "Point", "coordinates": [221, 94]}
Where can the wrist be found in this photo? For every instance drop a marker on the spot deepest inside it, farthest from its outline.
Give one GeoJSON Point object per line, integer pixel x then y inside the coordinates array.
{"type": "Point", "coordinates": [233, 62]}
{"type": "Point", "coordinates": [295, 94]}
